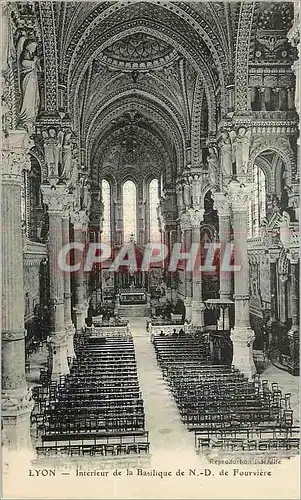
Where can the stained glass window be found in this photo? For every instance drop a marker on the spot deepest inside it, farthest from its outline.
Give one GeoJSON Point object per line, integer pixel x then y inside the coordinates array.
{"type": "Point", "coordinates": [129, 211]}
{"type": "Point", "coordinates": [106, 199]}
{"type": "Point", "coordinates": [153, 214]}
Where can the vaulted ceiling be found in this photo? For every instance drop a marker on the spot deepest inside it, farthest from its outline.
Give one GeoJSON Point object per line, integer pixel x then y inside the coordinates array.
{"type": "Point", "coordinates": [144, 81]}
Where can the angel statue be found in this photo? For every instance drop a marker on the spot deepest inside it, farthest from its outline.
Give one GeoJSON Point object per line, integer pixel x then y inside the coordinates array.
{"type": "Point", "coordinates": [213, 166]}
{"type": "Point", "coordinates": [66, 156]}
{"type": "Point", "coordinates": [226, 155]}
{"type": "Point", "coordinates": [29, 67]}
{"type": "Point", "coordinates": [186, 194]}
{"type": "Point", "coordinates": [85, 194]}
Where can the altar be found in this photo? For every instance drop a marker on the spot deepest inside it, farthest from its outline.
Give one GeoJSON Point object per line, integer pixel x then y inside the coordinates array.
{"type": "Point", "coordinates": [132, 296]}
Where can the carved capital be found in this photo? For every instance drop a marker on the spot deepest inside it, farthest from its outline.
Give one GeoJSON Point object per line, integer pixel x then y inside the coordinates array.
{"type": "Point", "coordinates": [185, 223]}
{"type": "Point", "coordinates": [80, 219]}
{"type": "Point", "coordinates": [274, 255]}
{"type": "Point", "coordinates": [239, 195]}
{"type": "Point", "coordinates": [294, 255]}
{"type": "Point", "coordinates": [16, 401]}
{"type": "Point", "coordinates": [15, 157]}
{"type": "Point", "coordinates": [222, 204]}
{"type": "Point", "coordinates": [55, 198]}
{"type": "Point", "coordinates": [196, 217]}
{"type": "Point", "coordinates": [68, 205]}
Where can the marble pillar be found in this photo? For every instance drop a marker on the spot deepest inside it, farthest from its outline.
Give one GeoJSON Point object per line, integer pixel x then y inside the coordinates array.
{"type": "Point", "coordinates": [80, 223]}
{"type": "Point", "coordinates": [293, 334]}
{"type": "Point", "coordinates": [197, 306]}
{"type": "Point", "coordinates": [222, 205]}
{"type": "Point", "coordinates": [282, 298]}
{"type": "Point", "coordinates": [16, 399]}
{"type": "Point", "coordinates": [242, 334]}
{"type": "Point", "coordinates": [69, 326]}
{"type": "Point", "coordinates": [293, 36]}
{"type": "Point", "coordinates": [272, 323]}
{"type": "Point", "coordinates": [53, 197]}
{"type": "Point", "coordinates": [186, 231]}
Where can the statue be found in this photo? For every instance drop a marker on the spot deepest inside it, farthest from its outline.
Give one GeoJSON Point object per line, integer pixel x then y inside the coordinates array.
{"type": "Point", "coordinates": [74, 174]}
{"type": "Point", "coordinates": [226, 155]}
{"type": "Point", "coordinates": [66, 156]}
{"type": "Point", "coordinates": [196, 190]}
{"type": "Point", "coordinates": [29, 67]}
{"type": "Point", "coordinates": [180, 197]}
{"type": "Point", "coordinates": [243, 150]}
{"type": "Point", "coordinates": [85, 194]}
{"type": "Point", "coordinates": [213, 166]}
{"type": "Point", "coordinates": [186, 195]}
{"type": "Point", "coordinates": [52, 151]}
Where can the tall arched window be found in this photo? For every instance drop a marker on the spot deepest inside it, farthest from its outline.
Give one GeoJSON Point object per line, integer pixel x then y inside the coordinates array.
{"type": "Point", "coordinates": [129, 211]}
{"type": "Point", "coordinates": [106, 199]}
{"type": "Point", "coordinates": [257, 205]}
{"type": "Point", "coordinates": [153, 215]}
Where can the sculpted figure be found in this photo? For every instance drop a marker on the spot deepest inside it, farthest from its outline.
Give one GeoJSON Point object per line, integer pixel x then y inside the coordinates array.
{"type": "Point", "coordinates": [213, 166]}
{"type": "Point", "coordinates": [86, 196]}
{"type": "Point", "coordinates": [186, 194]}
{"type": "Point", "coordinates": [243, 142]}
{"type": "Point", "coordinates": [66, 156]}
{"type": "Point", "coordinates": [29, 67]}
{"type": "Point", "coordinates": [196, 190]}
{"type": "Point", "coordinates": [180, 197]}
{"type": "Point", "coordinates": [226, 155]}
{"type": "Point", "coordinates": [52, 151]}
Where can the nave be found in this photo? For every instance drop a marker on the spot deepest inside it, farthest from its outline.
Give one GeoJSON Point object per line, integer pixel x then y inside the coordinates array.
{"type": "Point", "coordinates": [146, 399]}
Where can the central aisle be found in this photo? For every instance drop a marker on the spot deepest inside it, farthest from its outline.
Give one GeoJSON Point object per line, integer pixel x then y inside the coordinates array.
{"type": "Point", "coordinates": [169, 438]}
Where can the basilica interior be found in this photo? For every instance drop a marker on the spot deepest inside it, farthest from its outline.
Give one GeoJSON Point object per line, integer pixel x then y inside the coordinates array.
{"type": "Point", "coordinates": [129, 123]}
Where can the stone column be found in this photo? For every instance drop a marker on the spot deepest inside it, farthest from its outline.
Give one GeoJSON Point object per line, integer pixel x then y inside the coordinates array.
{"type": "Point", "coordinates": [282, 298]}
{"type": "Point", "coordinates": [80, 222]}
{"type": "Point", "coordinates": [197, 306]}
{"type": "Point", "coordinates": [16, 398]}
{"type": "Point", "coordinates": [53, 197]}
{"type": "Point", "coordinates": [242, 334]}
{"type": "Point", "coordinates": [186, 229]}
{"type": "Point", "coordinates": [272, 323]}
{"type": "Point", "coordinates": [69, 326]}
{"type": "Point", "coordinates": [293, 334]}
{"type": "Point", "coordinates": [222, 205]}
{"type": "Point", "coordinates": [294, 38]}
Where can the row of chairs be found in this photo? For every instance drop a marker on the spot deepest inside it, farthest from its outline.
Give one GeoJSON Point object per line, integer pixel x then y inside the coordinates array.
{"type": "Point", "coordinates": [219, 403]}
{"type": "Point", "coordinates": [101, 395]}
